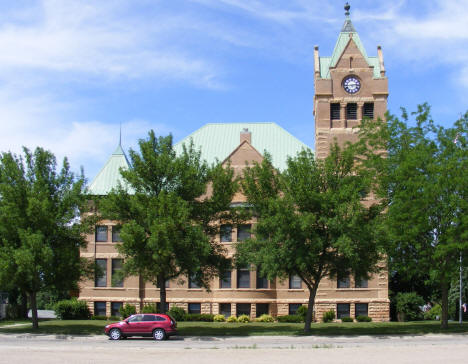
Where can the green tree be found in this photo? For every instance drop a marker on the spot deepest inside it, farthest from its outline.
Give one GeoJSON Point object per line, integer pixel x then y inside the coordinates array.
{"type": "Point", "coordinates": [40, 228]}
{"type": "Point", "coordinates": [311, 220]}
{"type": "Point", "coordinates": [171, 215]}
{"type": "Point", "coordinates": [422, 179]}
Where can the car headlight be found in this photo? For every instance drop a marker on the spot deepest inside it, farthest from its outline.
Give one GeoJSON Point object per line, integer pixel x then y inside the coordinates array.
{"type": "Point", "coordinates": [106, 326]}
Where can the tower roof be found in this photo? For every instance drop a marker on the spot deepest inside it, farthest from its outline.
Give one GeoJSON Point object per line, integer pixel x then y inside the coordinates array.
{"type": "Point", "coordinates": [109, 177]}
{"type": "Point", "coordinates": [347, 34]}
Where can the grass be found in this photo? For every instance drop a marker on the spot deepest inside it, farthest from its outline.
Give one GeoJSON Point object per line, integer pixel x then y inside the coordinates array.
{"type": "Point", "coordinates": [10, 322]}
{"type": "Point", "coordinates": [96, 327]}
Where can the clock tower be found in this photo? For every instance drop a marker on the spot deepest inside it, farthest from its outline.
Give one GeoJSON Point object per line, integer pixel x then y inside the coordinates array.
{"type": "Point", "coordinates": [349, 86]}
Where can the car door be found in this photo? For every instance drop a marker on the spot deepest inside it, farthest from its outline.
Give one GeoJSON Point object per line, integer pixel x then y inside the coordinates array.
{"type": "Point", "coordinates": [134, 325]}
{"type": "Point", "coordinates": [148, 323]}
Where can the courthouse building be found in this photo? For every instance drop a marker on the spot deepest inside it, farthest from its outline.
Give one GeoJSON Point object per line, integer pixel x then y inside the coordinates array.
{"type": "Point", "coordinates": [349, 85]}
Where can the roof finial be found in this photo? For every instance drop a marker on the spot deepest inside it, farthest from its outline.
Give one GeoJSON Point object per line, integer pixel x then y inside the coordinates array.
{"type": "Point", "coordinates": [347, 7]}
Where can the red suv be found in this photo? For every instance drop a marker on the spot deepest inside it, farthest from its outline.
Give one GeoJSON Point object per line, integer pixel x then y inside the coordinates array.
{"type": "Point", "coordinates": [158, 325]}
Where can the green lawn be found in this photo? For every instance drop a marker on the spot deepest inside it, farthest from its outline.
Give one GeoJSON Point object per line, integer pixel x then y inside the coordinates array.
{"type": "Point", "coordinates": [8, 322]}
{"type": "Point", "coordinates": [93, 327]}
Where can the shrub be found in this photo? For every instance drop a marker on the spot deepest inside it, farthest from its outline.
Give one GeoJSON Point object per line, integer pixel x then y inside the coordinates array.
{"type": "Point", "coordinates": [114, 318]}
{"type": "Point", "coordinates": [127, 310]}
{"type": "Point", "coordinates": [290, 318]}
{"type": "Point", "coordinates": [205, 317]}
{"type": "Point", "coordinates": [149, 308]}
{"type": "Point", "coordinates": [219, 318]}
{"type": "Point", "coordinates": [98, 317]}
{"type": "Point", "coordinates": [408, 306]}
{"type": "Point", "coordinates": [243, 319]}
{"type": "Point", "coordinates": [232, 319]}
{"type": "Point", "coordinates": [302, 311]}
{"type": "Point", "coordinates": [72, 310]}
{"type": "Point", "coordinates": [177, 313]}
{"type": "Point", "coordinates": [265, 318]}
{"type": "Point", "coordinates": [348, 319]}
{"type": "Point", "coordinates": [435, 313]}
{"type": "Point", "coordinates": [363, 318]}
{"type": "Point", "coordinates": [328, 316]}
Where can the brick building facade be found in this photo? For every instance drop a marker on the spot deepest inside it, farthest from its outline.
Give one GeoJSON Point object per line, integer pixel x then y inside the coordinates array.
{"type": "Point", "coordinates": [349, 85]}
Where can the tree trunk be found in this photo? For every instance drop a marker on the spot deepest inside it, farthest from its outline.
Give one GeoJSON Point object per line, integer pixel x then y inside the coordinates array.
{"type": "Point", "coordinates": [162, 293]}
{"type": "Point", "coordinates": [23, 306]}
{"type": "Point", "coordinates": [310, 308]}
{"type": "Point", "coordinates": [32, 301]}
{"type": "Point", "coordinates": [444, 288]}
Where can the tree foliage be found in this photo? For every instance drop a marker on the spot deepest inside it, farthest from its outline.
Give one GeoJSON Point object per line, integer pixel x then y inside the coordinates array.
{"type": "Point", "coordinates": [422, 180]}
{"type": "Point", "coordinates": [40, 229]}
{"type": "Point", "coordinates": [172, 213]}
{"type": "Point", "coordinates": [311, 220]}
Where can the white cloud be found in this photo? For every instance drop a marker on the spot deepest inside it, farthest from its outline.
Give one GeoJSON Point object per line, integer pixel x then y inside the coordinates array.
{"type": "Point", "coordinates": [96, 40]}
{"type": "Point", "coordinates": [43, 121]}
{"type": "Point", "coordinates": [285, 13]}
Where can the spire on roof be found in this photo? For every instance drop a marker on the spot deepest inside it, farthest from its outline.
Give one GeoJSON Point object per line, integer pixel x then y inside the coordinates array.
{"type": "Point", "coordinates": [348, 25]}
{"type": "Point", "coordinates": [119, 150]}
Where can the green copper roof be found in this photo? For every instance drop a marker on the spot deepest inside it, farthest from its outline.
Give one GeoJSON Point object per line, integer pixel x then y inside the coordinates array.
{"type": "Point", "coordinates": [348, 31]}
{"type": "Point", "coordinates": [218, 141]}
{"type": "Point", "coordinates": [109, 176]}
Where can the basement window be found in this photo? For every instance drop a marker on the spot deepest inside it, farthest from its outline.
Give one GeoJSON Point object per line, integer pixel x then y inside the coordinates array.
{"type": "Point", "coordinates": [342, 310]}
{"type": "Point", "coordinates": [361, 309]}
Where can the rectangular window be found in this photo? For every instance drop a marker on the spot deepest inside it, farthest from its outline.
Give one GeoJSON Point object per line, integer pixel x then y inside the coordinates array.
{"type": "Point", "coordinates": [342, 310]}
{"type": "Point", "coordinates": [295, 282]}
{"type": "Point", "coordinates": [243, 277]}
{"type": "Point", "coordinates": [194, 308]}
{"type": "Point", "coordinates": [243, 232]}
{"type": "Point", "coordinates": [225, 309]}
{"type": "Point", "coordinates": [368, 110]}
{"type": "Point", "coordinates": [115, 308]}
{"type": "Point", "coordinates": [101, 233]}
{"type": "Point", "coordinates": [99, 309]}
{"type": "Point", "coordinates": [225, 233]}
{"type": "Point", "coordinates": [261, 309]}
{"type": "Point", "coordinates": [116, 234]}
{"type": "Point", "coordinates": [262, 282]}
{"type": "Point", "coordinates": [343, 282]}
{"type": "Point", "coordinates": [225, 279]}
{"type": "Point", "coordinates": [243, 309]}
{"type": "Point", "coordinates": [361, 309]}
{"type": "Point", "coordinates": [360, 283]}
{"type": "Point", "coordinates": [117, 278]}
{"type": "Point", "coordinates": [192, 283]}
{"type": "Point", "coordinates": [158, 306]}
{"type": "Point", "coordinates": [335, 111]}
{"type": "Point", "coordinates": [351, 111]}
{"type": "Point", "coordinates": [100, 273]}
{"type": "Point", "coordinates": [293, 307]}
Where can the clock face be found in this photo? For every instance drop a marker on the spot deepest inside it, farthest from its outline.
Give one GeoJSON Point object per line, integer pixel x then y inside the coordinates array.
{"type": "Point", "coordinates": [351, 85]}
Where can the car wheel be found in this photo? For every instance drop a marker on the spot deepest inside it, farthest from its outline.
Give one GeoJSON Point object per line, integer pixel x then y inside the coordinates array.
{"type": "Point", "coordinates": [115, 334]}
{"type": "Point", "coordinates": [159, 334]}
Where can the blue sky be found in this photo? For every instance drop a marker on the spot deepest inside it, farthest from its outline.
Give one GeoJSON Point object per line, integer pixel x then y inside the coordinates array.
{"type": "Point", "coordinates": [72, 71]}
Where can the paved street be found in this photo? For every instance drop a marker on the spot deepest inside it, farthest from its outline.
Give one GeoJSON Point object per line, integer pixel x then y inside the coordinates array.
{"type": "Point", "coordinates": [259, 349]}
